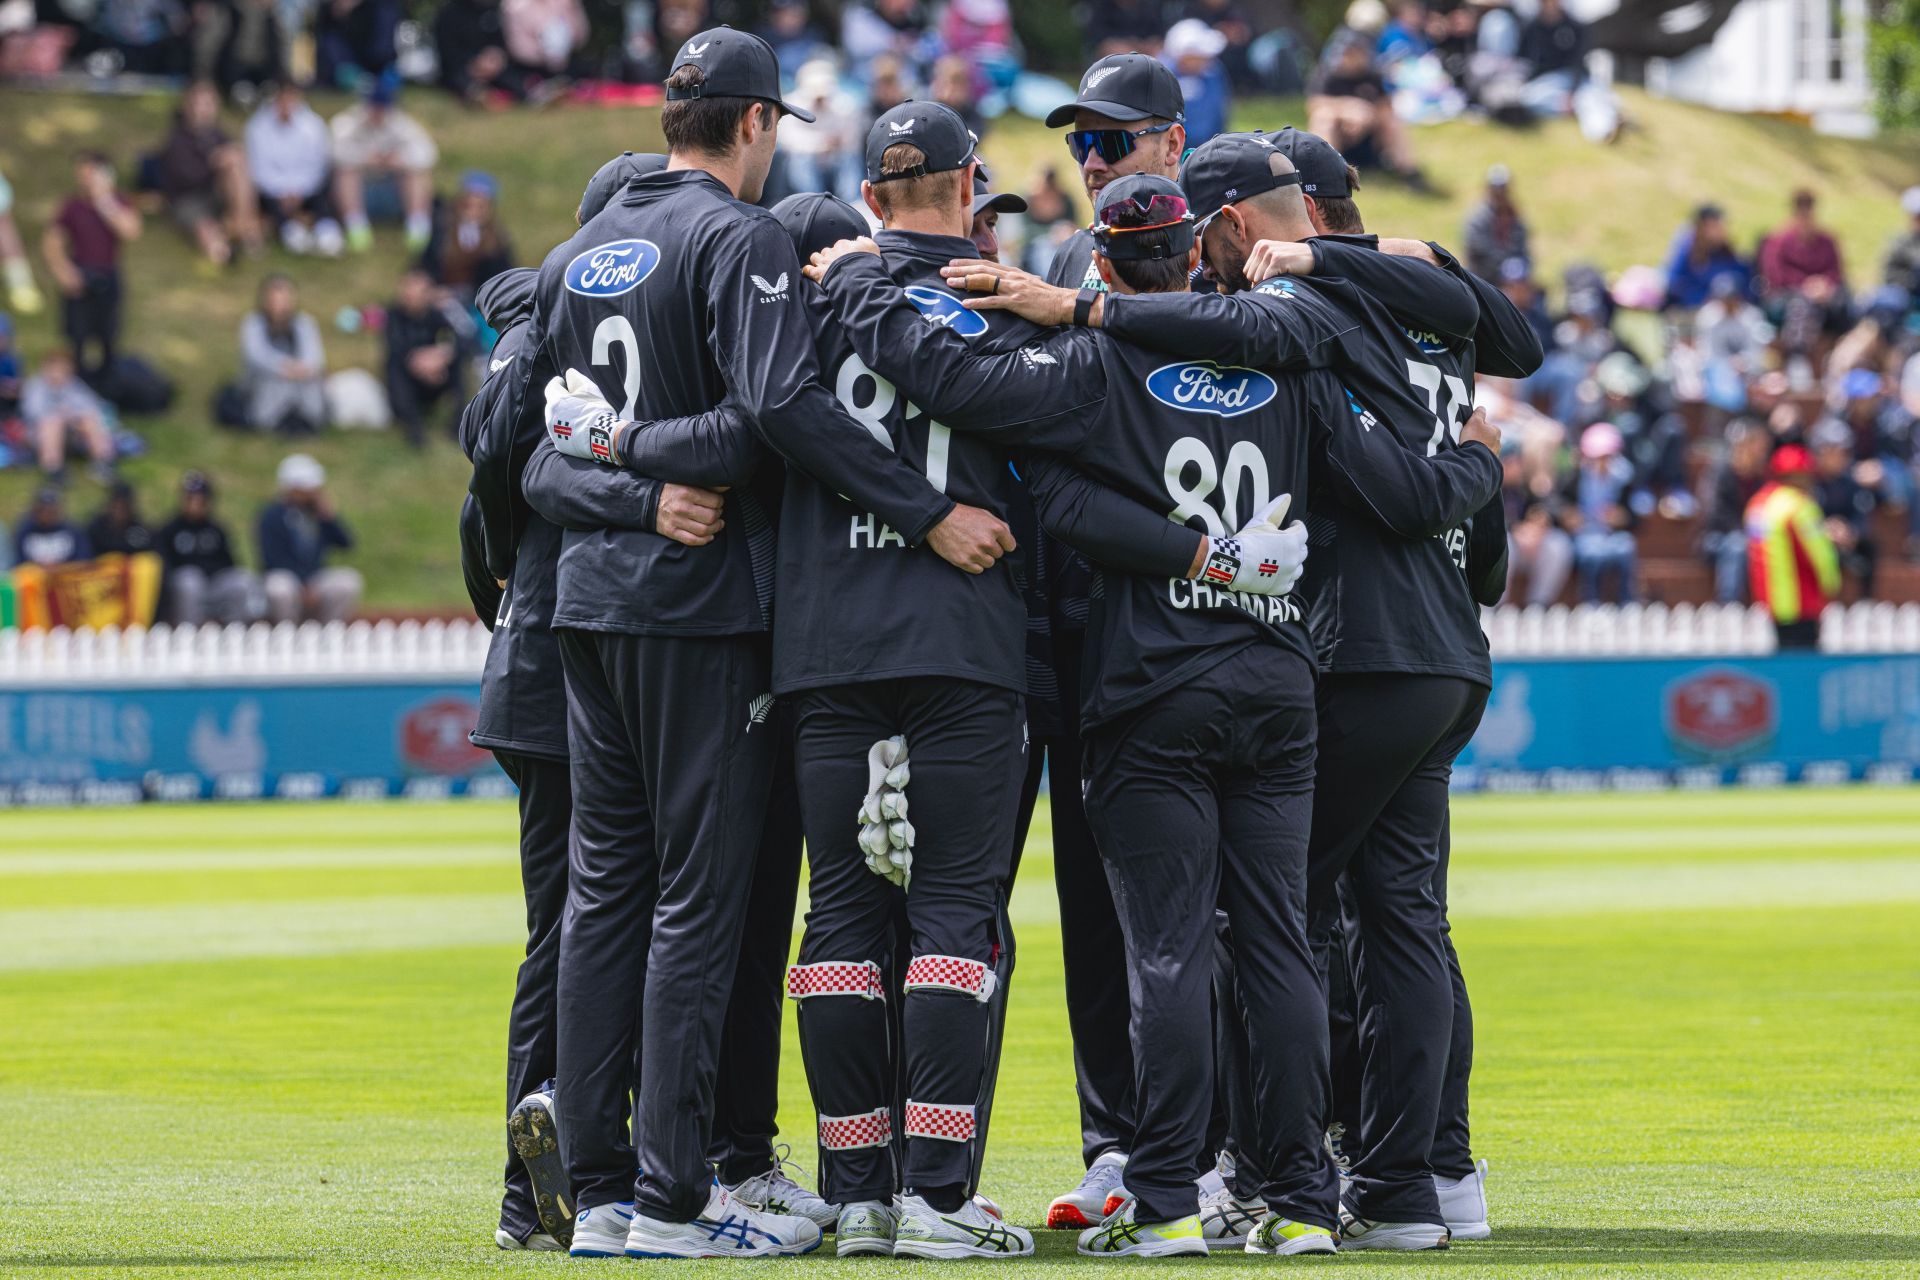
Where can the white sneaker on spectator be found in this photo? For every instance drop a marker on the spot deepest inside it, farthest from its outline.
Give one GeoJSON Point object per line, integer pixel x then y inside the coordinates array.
{"type": "Point", "coordinates": [328, 238]}
{"type": "Point", "coordinates": [296, 236]}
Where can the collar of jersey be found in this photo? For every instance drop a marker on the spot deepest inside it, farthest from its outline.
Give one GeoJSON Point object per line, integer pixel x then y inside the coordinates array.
{"type": "Point", "coordinates": [660, 183]}
{"type": "Point", "coordinates": [922, 246]}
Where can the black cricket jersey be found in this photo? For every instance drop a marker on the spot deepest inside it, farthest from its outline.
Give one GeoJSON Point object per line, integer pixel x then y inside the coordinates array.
{"type": "Point", "coordinates": [859, 602]}
{"type": "Point", "coordinates": [1205, 445]}
{"type": "Point", "coordinates": [1385, 595]}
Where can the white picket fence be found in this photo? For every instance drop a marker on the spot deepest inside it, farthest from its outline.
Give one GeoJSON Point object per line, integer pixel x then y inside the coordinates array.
{"type": "Point", "coordinates": [378, 651]}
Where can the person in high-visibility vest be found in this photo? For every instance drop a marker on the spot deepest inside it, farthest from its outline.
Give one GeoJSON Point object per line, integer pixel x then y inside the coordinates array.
{"type": "Point", "coordinates": [1791, 561]}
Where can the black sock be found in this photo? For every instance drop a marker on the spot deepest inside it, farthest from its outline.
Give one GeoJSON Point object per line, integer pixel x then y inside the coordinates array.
{"type": "Point", "coordinates": [947, 1199]}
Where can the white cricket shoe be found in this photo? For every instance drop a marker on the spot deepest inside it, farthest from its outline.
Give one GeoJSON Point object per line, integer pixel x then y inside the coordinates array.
{"type": "Point", "coordinates": [1098, 1195]}
{"type": "Point", "coordinates": [1463, 1203]}
{"type": "Point", "coordinates": [725, 1229]}
{"type": "Point", "coordinates": [538, 1242]}
{"type": "Point", "coordinates": [1215, 1178]}
{"type": "Point", "coordinates": [1226, 1220]}
{"type": "Point", "coordinates": [601, 1232]}
{"type": "Point", "coordinates": [1358, 1233]}
{"type": "Point", "coordinates": [968, 1232]}
{"type": "Point", "coordinates": [1121, 1236]}
{"type": "Point", "coordinates": [776, 1192]}
{"type": "Point", "coordinates": [1278, 1235]}
{"type": "Point", "coordinates": [865, 1229]}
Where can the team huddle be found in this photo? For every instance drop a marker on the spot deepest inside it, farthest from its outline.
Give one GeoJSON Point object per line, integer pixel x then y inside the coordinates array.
{"type": "Point", "coordinates": [791, 533]}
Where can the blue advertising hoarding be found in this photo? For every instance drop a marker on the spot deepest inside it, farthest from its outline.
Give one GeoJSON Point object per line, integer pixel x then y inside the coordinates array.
{"type": "Point", "coordinates": [1557, 724]}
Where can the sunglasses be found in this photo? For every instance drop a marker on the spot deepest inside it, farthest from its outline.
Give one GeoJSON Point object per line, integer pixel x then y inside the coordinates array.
{"type": "Point", "coordinates": [1151, 214]}
{"type": "Point", "coordinates": [1114, 145]}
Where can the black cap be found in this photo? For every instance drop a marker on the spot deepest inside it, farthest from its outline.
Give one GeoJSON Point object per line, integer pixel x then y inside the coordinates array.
{"type": "Point", "coordinates": [1126, 86]}
{"type": "Point", "coordinates": [1323, 170]}
{"type": "Point", "coordinates": [737, 65]}
{"type": "Point", "coordinates": [1231, 167]}
{"type": "Point", "coordinates": [1122, 247]}
{"type": "Point", "coordinates": [813, 220]}
{"type": "Point", "coordinates": [196, 482]}
{"type": "Point", "coordinates": [937, 129]}
{"type": "Point", "coordinates": [612, 176]}
{"type": "Point", "coordinates": [985, 198]}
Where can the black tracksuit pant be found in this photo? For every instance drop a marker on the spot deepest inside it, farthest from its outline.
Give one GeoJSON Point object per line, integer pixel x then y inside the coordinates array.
{"type": "Point", "coordinates": [1201, 797]}
{"type": "Point", "coordinates": [964, 743]}
{"type": "Point", "coordinates": [1452, 1144]}
{"type": "Point", "coordinates": [671, 768]}
{"type": "Point", "coordinates": [1090, 942]}
{"type": "Point", "coordinates": [546, 818]}
{"type": "Point", "coordinates": [1387, 746]}
{"type": "Point", "coordinates": [747, 1090]}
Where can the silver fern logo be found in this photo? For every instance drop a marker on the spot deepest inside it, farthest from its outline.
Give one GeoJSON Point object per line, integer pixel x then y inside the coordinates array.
{"type": "Point", "coordinates": [758, 710]}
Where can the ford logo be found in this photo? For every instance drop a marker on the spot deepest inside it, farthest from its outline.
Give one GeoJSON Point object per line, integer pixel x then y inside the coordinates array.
{"type": "Point", "coordinates": [609, 270]}
{"type": "Point", "coordinates": [940, 307]}
{"type": "Point", "coordinates": [1205, 387]}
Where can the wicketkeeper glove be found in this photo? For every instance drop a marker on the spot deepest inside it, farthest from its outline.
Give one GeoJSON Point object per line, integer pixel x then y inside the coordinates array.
{"type": "Point", "coordinates": [1263, 558]}
{"type": "Point", "coordinates": [580, 422]}
{"type": "Point", "coordinates": [886, 837]}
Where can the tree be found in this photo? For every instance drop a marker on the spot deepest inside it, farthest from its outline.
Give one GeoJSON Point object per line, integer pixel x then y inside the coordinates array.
{"type": "Point", "coordinates": [1893, 63]}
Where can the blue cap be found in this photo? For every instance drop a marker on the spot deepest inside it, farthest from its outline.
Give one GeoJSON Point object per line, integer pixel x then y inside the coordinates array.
{"type": "Point", "coordinates": [480, 181]}
{"type": "Point", "coordinates": [1860, 384]}
{"type": "Point", "coordinates": [382, 90]}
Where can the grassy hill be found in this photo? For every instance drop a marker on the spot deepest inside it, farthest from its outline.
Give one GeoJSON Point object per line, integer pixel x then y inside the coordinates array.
{"type": "Point", "coordinates": [1614, 206]}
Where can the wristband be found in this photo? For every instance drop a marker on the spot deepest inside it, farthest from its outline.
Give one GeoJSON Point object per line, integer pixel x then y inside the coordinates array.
{"type": "Point", "coordinates": [1083, 305]}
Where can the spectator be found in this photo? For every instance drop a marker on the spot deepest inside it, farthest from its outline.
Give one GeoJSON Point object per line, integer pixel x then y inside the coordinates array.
{"type": "Point", "coordinates": [82, 248]}
{"type": "Point", "coordinates": [951, 84]}
{"type": "Point", "coordinates": [470, 37]}
{"type": "Point", "coordinates": [883, 27]}
{"type": "Point", "coordinates": [282, 363]}
{"type": "Point", "coordinates": [886, 84]}
{"type": "Point", "coordinates": [203, 175]}
{"type": "Point", "coordinates": [423, 351]}
{"type": "Point", "coordinates": [252, 46]}
{"type": "Point", "coordinates": [980, 33]}
{"type": "Point", "coordinates": [9, 372]}
{"type": "Point", "coordinates": [117, 529]}
{"type": "Point", "coordinates": [469, 246]}
{"type": "Point", "coordinates": [202, 583]}
{"type": "Point", "coordinates": [1050, 222]}
{"type": "Point", "coordinates": [1123, 26]}
{"type": "Point", "coordinates": [1803, 257]}
{"type": "Point", "coordinates": [62, 412]}
{"type": "Point", "coordinates": [1496, 233]}
{"type": "Point", "coordinates": [1791, 562]}
{"type": "Point", "coordinates": [353, 40]}
{"type": "Point", "coordinates": [1348, 105]}
{"type": "Point", "coordinates": [1539, 551]}
{"type": "Point", "coordinates": [1231, 20]}
{"type": "Point", "coordinates": [824, 155]}
{"type": "Point", "coordinates": [23, 295]}
{"type": "Point", "coordinates": [1846, 492]}
{"type": "Point", "coordinates": [1732, 336]}
{"type": "Point", "coordinates": [795, 39]}
{"type": "Point", "coordinates": [1602, 522]}
{"type": "Point", "coordinates": [1730, 487]}
{"type": "Point", "coordinates": [296, 532]}
{"type": "Point", "coordinates": [45, 537]}
{"type": "Point", "coordinates": [1554, 48]}
{"type": "Point", "coordinates": [543, 37]}
{"type": "Point", "coordinates": [1192, 49]}
{"type": "Point", "coordinates": [1516, 280]}
{"type": "Point", "coordinates": [149, 35]}
{"type": "Point", "coordinates": [1903, 255]}
{"type": "Point", "coordinates": [376, 136]}
{"type": "Point", "coordinates": [289, 158]}
{"type": "Point", "coordinates": [1700, 257]}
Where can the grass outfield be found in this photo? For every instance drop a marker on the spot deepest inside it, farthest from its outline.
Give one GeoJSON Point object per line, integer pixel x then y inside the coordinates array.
{"type": "Point", "coordinates": [266, 1040]}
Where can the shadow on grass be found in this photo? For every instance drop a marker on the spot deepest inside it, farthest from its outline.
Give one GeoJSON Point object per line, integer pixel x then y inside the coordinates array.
{"type": "Point", "coordinates": [75, 1262]}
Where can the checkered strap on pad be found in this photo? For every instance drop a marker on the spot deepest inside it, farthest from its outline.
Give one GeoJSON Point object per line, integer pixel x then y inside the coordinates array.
{"type": "Point", "coordinates": [836, 978]}
{"type": "Point", "coordinates": [951, 973]}
{"type": "Point", "coordinates": [939, 1120]}
{"type": "Point", "coordinates": [850, 1133]}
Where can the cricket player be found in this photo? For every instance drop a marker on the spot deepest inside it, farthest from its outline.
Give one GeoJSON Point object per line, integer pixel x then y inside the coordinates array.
{"type": "Point", "coordinates": [1147, 421]}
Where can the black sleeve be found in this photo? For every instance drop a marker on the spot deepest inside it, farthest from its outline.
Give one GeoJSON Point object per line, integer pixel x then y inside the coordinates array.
{"type": "Point", "coordinates": [1048, 394]}
{"type": "Point", "coordinates": [1270, 328]}
{"type": "Point", "coordinates": [765, 346]}
{"type": "Point", "coordinates": [1415, 497]}
{"type": "Point", "coordinates": [1505, 343]}
{"type": "Point", "coordinates": [1417, 292]}
{"type": "Point", "coordinates": [1104, 526]}
{"type": "Point", "coordinates": [712, 449]}
{"type": "Point", "coordinates": [576, 494]}
{"type": "Point", "coordinates": [483, 589]}
{"type": "Point", "coordinates": [1487, 553]}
